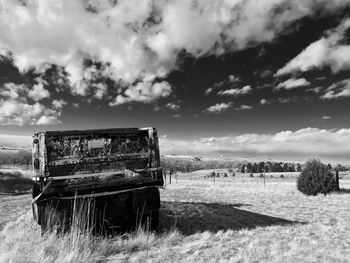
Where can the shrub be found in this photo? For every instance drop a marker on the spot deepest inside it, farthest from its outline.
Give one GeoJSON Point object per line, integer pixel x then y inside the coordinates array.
{"type": "Point", "coordinates": [251, 175]}
{"type": "Point", "coordinates": [281, 176]}
{"type": "Point", "coordinates": [261, 175]}
{"type": "Point", "coordinates": [315, 178]}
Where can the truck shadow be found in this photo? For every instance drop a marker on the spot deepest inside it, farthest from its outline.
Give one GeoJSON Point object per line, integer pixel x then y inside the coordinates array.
{"type": "Point", "coordinates": [190, 218]}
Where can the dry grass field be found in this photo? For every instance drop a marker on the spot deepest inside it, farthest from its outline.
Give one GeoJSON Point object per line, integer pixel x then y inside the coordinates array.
{"type": "Point", "coordinates": [235, 219]}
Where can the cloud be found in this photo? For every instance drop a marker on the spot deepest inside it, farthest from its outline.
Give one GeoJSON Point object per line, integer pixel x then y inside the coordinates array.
{"type": "Point", "coordinates": [231, 80]}
{"type": "Point", "coordinates": [48, 120]}
{"type": "Point", "coordinates": [237, 92]}
{"type": "Point", "coordinates": [130, 42]}
{"type": "Point", "coordinates": [145, 92]}
{"type": "Point", "coordinates": [295, 145]}
{"type": "Point", "coordinates": [326, 117]}
{"type": "Point", "coordinates": [284, 100]}
{"type": "Point", "coordinates": [327, 51]}
{"type": "Point", "coordinates": [173, 106]}
{"type": "Point", "coordinates": [265, 101]}
{"type": "Point", "coordinates": [38, 92]}
{"type": "Point", "coordinates": [292, 84]}
{"type": "Point", "coordinates": [16, 109]}
{"type": "Point", "coordinates": [219, 107]}
{"type": "Point", "coordinates": [58, 104]}
{"type": "Point", "coordinates": [100, 90]}
{"type": "Point", "coordinates": [244, 107]}
{"type": "Point", "coordinates": [337, 90]}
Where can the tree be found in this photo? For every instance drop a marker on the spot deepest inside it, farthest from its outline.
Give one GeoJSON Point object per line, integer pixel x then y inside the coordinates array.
{"type": "Point", "coordinates": [254, 168]}
{"type": "Point", "coordinates": [261, 167]}
{"type": "Point", "coordinates": [243, 169]}
{"type": "Point", "coordinates": [329, 166]}
{"type": "Point", "coordinates": [315, 178]}
{"type": "Point", "coordinates": [268, 166]}
{"type": "Point", "coordinates": [276, 167]}
{"type": "Point", "coordinates": [285, 168]}
{"type": "Point", "coordinates": [299, 167]}
{"type": "Point", "coordinates": [249, 167]}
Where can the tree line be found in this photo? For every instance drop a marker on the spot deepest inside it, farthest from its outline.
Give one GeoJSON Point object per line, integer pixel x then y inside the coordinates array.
{"type": "Point", "coordinates": [188, 165]}
{"type": "Point", "coordinates": [272, 167]}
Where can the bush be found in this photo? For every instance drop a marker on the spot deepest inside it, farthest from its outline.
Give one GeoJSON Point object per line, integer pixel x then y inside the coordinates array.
{"type": "Point", "coordinates": [315, 178]}
{"type": "Point", "coordinates": [281, 176]}
{"type": "Point", "coordinates": [251, 175]}
{"type": "Point", "coordinates": [261, 175]}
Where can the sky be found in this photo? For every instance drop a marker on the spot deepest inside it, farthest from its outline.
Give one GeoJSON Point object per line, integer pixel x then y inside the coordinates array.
{"type": "Point", "coordinates": [252, 78]}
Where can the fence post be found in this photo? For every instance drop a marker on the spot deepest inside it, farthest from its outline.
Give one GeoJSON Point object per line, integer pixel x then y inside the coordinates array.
{"type": "Point", "coordinates": [165, 178]}
{"type": "Point", "coordinates": [337, 180]}
{"type": "Point", "coordinates": [170, 178]}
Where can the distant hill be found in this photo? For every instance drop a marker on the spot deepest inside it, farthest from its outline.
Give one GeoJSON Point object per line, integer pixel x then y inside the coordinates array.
{"type": "Point", "coordinates": [14, 142]}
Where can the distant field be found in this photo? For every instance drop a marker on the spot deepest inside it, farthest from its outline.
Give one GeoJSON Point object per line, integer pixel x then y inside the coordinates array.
{"type": "Point", "coordinates": [232, 220]}
{"type": "Point", "coordinates": [15, 181]}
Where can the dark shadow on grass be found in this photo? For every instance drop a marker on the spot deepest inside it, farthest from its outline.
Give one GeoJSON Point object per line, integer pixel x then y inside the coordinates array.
{"type": "Point", "coordinates": [190, 218]}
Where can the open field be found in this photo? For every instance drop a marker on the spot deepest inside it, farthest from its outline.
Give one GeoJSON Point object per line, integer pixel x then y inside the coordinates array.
{"type": "Point", "coordinates": [13, 181]}
{"type": "Point", "coordinates": [235, 219]}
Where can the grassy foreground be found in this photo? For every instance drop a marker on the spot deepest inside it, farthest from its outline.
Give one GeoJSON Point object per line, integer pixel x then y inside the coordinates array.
{"type": "Point", "coordinates": [231, 220]}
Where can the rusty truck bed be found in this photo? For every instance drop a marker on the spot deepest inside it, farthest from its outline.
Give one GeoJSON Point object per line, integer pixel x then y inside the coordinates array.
{"type": "Point", "coordinates": [96, 162]}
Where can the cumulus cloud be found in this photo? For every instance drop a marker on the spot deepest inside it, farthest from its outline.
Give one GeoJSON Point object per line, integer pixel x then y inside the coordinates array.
{"type": "Point", "coordinates": [48, 120]}
{"type": "Point", "coordinates": [236, 92]}
{"type": "Point", "coordinates": [38, 92]}
{"type": "Point", "coordinates": [326, 117]}
{"type": "Point", "coordinates": [337, 90]}
{"type": "Point", "coordinates": [292, 84]}
{"type": "Point", "coordinates": [16, 109]}
{"type": "Point", "coordinates": [300, 144]}
{"type": "Point", "coordinates": [145, 92]}
{"type": "Point", "coordinates": [327, 51]}
{"type": "Point", "coordinates": [173, 106]}
{"type": "Point", "coordinates": [244, 107]}
{"type": "Point", "coordinates": [219, 107]}
{"type": "Point", "coordinates": [129, 42]}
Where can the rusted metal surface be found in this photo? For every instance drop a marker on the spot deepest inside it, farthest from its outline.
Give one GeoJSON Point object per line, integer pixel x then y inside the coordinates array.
{"type": "Point", "coordinates": [107, 160]}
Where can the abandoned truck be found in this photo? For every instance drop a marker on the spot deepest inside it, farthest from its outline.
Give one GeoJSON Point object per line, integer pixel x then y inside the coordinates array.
{"type": "Point", "coordinates": [117, 170]}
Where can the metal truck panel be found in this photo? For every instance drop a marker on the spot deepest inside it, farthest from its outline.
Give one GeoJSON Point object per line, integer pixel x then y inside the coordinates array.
{"type": "Point", "coordinates": [96, 161]}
